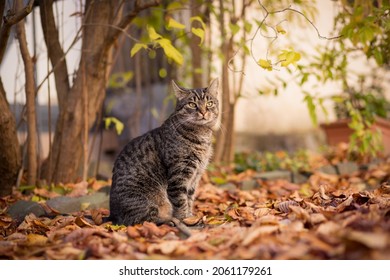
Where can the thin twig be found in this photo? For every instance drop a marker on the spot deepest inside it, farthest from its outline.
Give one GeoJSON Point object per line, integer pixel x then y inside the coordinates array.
{"type": "Point", "coordinates": [274, 38]}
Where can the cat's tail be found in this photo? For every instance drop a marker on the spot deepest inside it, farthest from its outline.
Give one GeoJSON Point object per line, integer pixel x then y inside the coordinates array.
{"type": "Point", "coordinates": [183, 229]}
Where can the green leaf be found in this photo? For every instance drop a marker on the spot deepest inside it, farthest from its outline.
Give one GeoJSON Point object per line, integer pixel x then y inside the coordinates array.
{"type": "Point", "coordinates": [378, 57]}
{"type": "Point", "coordinates": [117, 123]}
{"type": "Point", "coordinates": [35, 198]}
{"type": "Point", "coordinates": [266, 64]}
{"type": "Point", "coordinates": [280, 30]}
{"type": "Point", "coordinates": [174, 24]}
{"type": "Point", "coordinates": [155, 113]}
{"type": "Point", "coordinates": [152, 54]}
{"type": "Point", "coordinates": [198, 19]}
{"type": "Point", "coordinates": [312, 108]}
{"type": "Point", "coordinates": [246, 50]}
{"type": "Point", "coordinates": [247, 26]}
{"type": "Point", "coordinates": [153, 35]}
{"type": "Point", "coordinates": [218, 180]}
{"type": "Point", "coordinates": [288, 57]}
{"type": "Point", "coordinates": [174, 6]}
{"type": "Point", "coordinates": [198, 32]}
{"type": "Point", "coordinates": [120, 80]}
{"type": "Point", "coordinates": [162, 72]}
{"type": "Point", "coordinates": [234, 28]}
{"type": "Point", "coordinates": [136, 48]}
{"type": "Point", "coordinates": [170, 51]}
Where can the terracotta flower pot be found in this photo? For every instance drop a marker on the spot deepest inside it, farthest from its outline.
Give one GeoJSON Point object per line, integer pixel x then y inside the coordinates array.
{"type": "Point", "coordinates": [339, 131]}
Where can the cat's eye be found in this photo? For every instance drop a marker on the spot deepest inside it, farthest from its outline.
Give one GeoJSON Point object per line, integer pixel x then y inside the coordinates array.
{"type": "Point", "coordinates": [210, 104]}
{"type": "Point", "coordinates": [192, 105]}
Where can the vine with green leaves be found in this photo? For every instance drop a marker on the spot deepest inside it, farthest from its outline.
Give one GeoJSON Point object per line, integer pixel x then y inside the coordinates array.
{"type": "Point", "coordinates": [361, 28]}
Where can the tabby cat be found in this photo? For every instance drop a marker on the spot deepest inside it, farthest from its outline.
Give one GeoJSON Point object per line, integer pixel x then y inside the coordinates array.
{"type": "Point", "coordinates": [156, 174]}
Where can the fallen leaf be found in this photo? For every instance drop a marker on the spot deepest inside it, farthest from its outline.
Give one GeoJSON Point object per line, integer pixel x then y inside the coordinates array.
{"type": "Point", "coordinates": [370, 239]}
{"type": "Point", "coordinates": [193, 220]}
{"type": "Point", "coordinates": [133, 232]}
{"type": "Point", "coordinates": [341, 207]}
{"type": "Point", "coordinates": [317, 218]}
{"type": "Point", "coordinates": [255, 233]}
{"type": "Point", "coordinates": [284, 206]}
{"type": "Point", "coordinates": [96, 217]}
{"type": "Point", "coordinates": [36, 240]}
{"type": "Point", "coordinates": [78, 189]}
{"type": "Point", "coordinates": [329, 228]}
{"type": "Point", "coordinates": [82, 222]}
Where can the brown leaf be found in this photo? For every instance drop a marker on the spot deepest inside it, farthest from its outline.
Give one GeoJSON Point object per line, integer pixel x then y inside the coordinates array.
{"type": "Point", "coordinates": [96, 217]}
{"type": "Point", "coordinates": [284, 206]}
{"type": "Point", "coordinates": [151, 229]}
{"type": "Point", "coordinates": [383, 189]}
{"type": "Point", "coordinates": [166, 248]}
{"type": "Point", "coordinates": [133, 232]}
{"type": "Point", "coordinates": [260, 212]}
{"type": "Point", "coordinates": [300, 213]}
{"type": "Point", "coordinates": [255, 233]}
{"type": "Point", "coordinates": [36, 240]}
{"type": "Point", "coordinates": [45, 193]}
{"type": "Point", "coordinates": [378, 173]}
{"type": "Point", "coordinates": [269, 220]}
{"type": "Point", "coordinates": [78, 189]}
{"type": "Point", "coordinates": [322, 192]}
{"type": "Point", "coordinates": [65, 253]}
{"type": "Point", "coordinates": [39, 223]}
{"type": "Point", "coordinates": [80, 234]}
{"type": "Point", "coordinates": [344, 204]}
{"type": "Point", "coordinates": [193, 220]}
{"type": "Point", "coordinates": [317, 218]}
{"type": "Point", "coordinates": [329, 228]}
{"type": "Point", "coordinates": [372, 240]}
{"type": "Point", "coordinates": [17, 237]}
{"type": "Point", "coordinates": [5, 222]}
{"type": "Point", "coordinates": [82, 222]}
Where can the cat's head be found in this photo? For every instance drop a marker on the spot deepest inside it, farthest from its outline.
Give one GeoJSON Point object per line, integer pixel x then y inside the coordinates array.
{"type": "Point", "coordinates": [198, 106]}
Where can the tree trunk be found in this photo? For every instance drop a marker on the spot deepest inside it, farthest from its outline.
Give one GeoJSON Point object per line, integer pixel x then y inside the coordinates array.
{"type": "Point", "coordinates": [10, 156]}
{"type": "Point", "coordinates": [223, 144]}
{"type": "Point", "coordinates": [196, 52]}
{"type": "Point", "coordinates": [32, 144]}
{"type": "Point", "coordinates": [102, 26]}
{"type": "Point", "coordinates": [10, 159]}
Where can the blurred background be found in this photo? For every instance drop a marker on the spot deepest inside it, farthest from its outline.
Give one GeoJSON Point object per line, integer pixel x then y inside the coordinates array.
{"type": "Point", "coordinates": [102, 72]}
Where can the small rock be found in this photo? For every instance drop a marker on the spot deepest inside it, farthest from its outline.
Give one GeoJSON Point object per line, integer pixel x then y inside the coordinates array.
{"type": "Point", "coordinates": [345, 168]}
{"type": "Point", "coordinates": [65, 204]}
{"type": "Point", "coordinates": [22, 208]}
{"type": "Point", "coordinates": [328, 169]}
{"type": "Point", "coordinates": [300, 178]}
{"type": "Point", "coordinates": [228, 186]}
{"type": "Point", "coordinates": [96, 200]}
{"type": "Point", "coordinates": [274, 175]}
{"type": "Point", "coordinates": [248, 185]}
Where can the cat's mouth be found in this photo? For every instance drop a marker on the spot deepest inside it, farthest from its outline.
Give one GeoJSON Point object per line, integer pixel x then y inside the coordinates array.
{"type": "Point", "coordinates": [204, 120]}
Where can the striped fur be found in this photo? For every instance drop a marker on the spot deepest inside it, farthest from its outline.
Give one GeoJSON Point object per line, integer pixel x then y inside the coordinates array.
{"type": "Point", "coordinates": [156, 174]}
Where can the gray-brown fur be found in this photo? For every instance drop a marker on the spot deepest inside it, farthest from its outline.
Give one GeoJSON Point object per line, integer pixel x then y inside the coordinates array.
{"type": "Point", "coordinates": [156, 174]}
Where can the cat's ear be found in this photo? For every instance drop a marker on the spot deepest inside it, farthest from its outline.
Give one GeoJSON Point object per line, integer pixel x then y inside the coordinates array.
{"type": "Point", "coordinates": [213, 87]}
{"type": "Point", "coordinates": [179, 91]}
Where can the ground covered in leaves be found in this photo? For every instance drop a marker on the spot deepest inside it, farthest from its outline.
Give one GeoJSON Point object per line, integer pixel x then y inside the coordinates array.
{"type": "Point", "coordinates": [328, 216]}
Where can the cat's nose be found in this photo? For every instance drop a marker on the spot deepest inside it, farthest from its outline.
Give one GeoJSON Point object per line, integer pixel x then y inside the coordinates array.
{"type": "Point", "coordinates": [202, 112]}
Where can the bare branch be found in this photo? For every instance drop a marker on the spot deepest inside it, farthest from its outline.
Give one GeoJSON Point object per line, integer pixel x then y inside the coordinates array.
{"type": "Point", "coordinates": [30, 101]}
{"type": "Point", "coordinates": [54, 49]}
{"type": "Point", "coordinates": [10, 19]}
{"type": "Point", "coordinates": [275, 37]}
{"type": "Point", "coordinates": [139, 6]}
{"type": "Point", "coordinates": [2, 7]}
